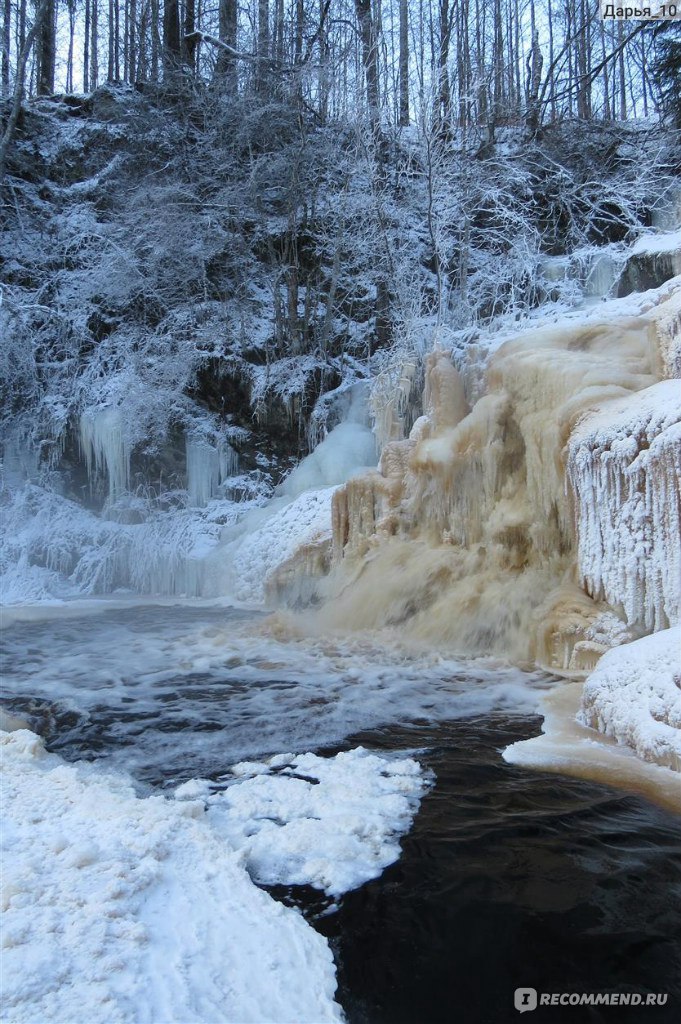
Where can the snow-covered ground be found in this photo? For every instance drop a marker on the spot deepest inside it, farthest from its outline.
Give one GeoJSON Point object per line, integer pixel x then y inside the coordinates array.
{"type": "Point", "coordinates": [634, 695]}
{"type": "Point", "coordinates": [123, 909]}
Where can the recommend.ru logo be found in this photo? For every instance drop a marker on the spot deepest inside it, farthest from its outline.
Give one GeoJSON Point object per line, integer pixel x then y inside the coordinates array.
{"type": "Point", "coordinates": [529, 999]}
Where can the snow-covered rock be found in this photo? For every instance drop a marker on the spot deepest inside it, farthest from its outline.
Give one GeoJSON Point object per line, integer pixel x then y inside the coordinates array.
{"type": "Point", "coordinates": [634, 695]}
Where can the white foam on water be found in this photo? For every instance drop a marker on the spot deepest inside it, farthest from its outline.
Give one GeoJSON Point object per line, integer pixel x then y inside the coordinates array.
{"type": "Point", "coordinates": [189, 692]}
{"type": "Point", "coordinates": [329, 822]}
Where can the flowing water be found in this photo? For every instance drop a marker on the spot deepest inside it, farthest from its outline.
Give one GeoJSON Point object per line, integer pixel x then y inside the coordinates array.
{"type": "Point", "coordinates": [508, 878]}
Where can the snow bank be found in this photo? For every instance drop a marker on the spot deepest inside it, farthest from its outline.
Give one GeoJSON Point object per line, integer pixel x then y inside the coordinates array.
{"type": "Point", "coordinates": [624, 467]}
{"type": "Point", "coordinates": [333, 823]}
{"type": "Point", "coordinates": [634, 695]}
{"type": "Point", "coordinates": [124, 909]}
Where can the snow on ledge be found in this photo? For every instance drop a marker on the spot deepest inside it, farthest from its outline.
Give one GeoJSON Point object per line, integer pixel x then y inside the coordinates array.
{"type": "Point", "coordinates": [332, 823]}
{"type": "Point", "coordinates": [120, 909]}
{"type": "Point", "coordinates": [285, 528]}
{"type": "Point", "coordinates": [634, 695]}
{"type": "Point", "coordinates": [666, 241]}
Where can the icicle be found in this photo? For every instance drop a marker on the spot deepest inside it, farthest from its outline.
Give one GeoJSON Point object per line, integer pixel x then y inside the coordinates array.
{"type": "Point", "coordinates": [624, 468]}
{"type": "Point", "coordinates": [105, 448]}
{"type": "Point", "coordinates": [601, 275]}
{"type": "Point", "coordinates": [208, 466]}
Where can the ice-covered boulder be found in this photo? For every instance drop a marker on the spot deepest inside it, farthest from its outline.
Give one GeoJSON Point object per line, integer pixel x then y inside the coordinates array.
{"type": "Point", "coordinates": [634, 695]}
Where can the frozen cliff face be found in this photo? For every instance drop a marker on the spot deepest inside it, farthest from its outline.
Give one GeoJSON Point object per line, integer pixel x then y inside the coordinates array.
{"type": "Point", "coordinates": [624, 468]}
{"type": "Point", "coordinates": [634, 695]}
{"type": "Point", "coordinates": [466, 535]}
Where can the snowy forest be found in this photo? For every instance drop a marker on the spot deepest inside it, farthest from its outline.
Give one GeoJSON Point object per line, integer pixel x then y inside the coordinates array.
{"type": "Point", "coordinates": [340, 567]}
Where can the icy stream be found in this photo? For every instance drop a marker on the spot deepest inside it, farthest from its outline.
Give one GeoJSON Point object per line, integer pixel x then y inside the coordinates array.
{"type": "Point", "coordinates": [171, 692]}
{"type": "Point", "coordinates": [505, 877]}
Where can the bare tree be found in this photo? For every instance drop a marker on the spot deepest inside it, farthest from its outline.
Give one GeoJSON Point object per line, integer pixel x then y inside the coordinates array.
{"type": "Point", "coordinates": [20, 79]}
{"type": "Point", "coordinates": [404, 62]}
{"type": "Point", "coordinates": [171, 37]}
{"type": "Point", "coordinates": [226, 62]}
{"type": "Point", "coordinates": [367, 31]}
{"type": "Point", "coordinates": [6, 44]}
{"type": "Point", "coordinates": [47, 51]}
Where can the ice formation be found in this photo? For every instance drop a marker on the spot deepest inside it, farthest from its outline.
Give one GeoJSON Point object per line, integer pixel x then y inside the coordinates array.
{"type": "Point", "coordinates": [126, 909]}
{"type": "Point", "coordinates": [208, 466]}
{"type": "Point", "coordinates": [277, 548]}
{"type": "Point", "coordinates": [634, 695]}
{"type": "Point", "coordinates": [333, 823]}
{"type": "Point", "coordinates": [624, 468]}
{"type": "Point", "coordinates": [568, 747]}
{"type": "Point", "coordinates": [106, 447]}
{"type": "Point", "coordinates": [269, 539]}
{"type": "Point", "coordinates": [503, 528]}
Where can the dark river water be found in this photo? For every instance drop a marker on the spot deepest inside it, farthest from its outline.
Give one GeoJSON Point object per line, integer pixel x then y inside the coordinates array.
{"type": "Point", "coordinates": [509, 878]}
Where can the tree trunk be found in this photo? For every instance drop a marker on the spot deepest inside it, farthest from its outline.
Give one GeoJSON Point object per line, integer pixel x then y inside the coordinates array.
{"type": "Point", "coordinates": [404, 63]}
{"type": "Point", "coordinates": [445, 98]}
{"type": "Point", "coordinates": [69, 55]}
{"type": "Point", "coordinates": [535, 63]}
{"type": "Point", "coordinates": [367, 35]}
{"type": "Point", "coordinates": [171, 37]}
{"type": "Point", "coordinates": [226, 64]}
{"type": "Point", "coordinates": [22, 61]}
{"type": "Point", "coordinates": [111, 62]}
{"type": "Point", "coordinates": [263, 48]}
{"type": "Point", "coordinates": [155, 40]}
{"type": "Point", "coordinates": [623, 84]}
{"type": "Point", "coordinates": [189, 39]}
{"type": "Point", "coordinates": [94, 51]}
{"type": "Point", "coordinates": [606, 78]}
{"type": "Point", "coordinates": [498, 67]}
{"type": "Point", "coordinates": [6, 38]}
{"type": "Point", "coordinates": [47, 51]}
{"type": "Point", "coordinates": [86, 49]}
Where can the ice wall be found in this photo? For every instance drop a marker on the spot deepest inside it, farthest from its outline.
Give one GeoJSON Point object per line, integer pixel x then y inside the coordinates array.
{"type": "Point", "coordinates": [624, 468]}
{"type": "Point", "coordinates": [208, 466]}
{"type": "Point", "coordinates": [502, 529]}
